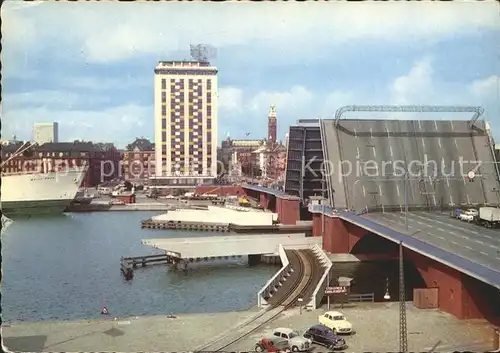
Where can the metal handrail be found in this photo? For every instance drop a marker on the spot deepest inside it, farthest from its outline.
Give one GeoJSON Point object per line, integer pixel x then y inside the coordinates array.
{"type": "Point", "coordinates": [272, 282]}
{"type": "Point", "coordinates": [318, 293]}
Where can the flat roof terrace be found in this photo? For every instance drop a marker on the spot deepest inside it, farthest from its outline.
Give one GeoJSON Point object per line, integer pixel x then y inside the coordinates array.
{"type": "Point", "coordinates": [475, 243]}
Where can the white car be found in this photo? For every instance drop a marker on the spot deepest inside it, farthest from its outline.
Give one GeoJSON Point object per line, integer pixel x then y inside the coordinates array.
{"type": "Point", "coordinates": [467, 216]}
{"type": "Point", "coordinates": [336, 321]}
{"type": "Point", "coordinates": [296, 342]}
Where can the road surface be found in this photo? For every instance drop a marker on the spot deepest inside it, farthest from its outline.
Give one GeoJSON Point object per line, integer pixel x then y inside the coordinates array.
{"type": "Point", "coordinates": [377, 151]}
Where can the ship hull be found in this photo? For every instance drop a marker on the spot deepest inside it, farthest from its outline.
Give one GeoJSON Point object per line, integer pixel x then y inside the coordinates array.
{"type": "Point", "coordinates": [40, 193]}
{"type": "Point", "coordinates": [14, 209]}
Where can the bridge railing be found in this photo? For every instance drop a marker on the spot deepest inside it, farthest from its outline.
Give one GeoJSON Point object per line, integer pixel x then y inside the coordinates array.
{"type": "Point", "coordinates": [276, 281]}
{"type": "Point", "coordinates": [326, 264]}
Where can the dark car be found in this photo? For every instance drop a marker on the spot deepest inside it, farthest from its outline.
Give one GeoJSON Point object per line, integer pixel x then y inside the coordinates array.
{"type": "Point", "coordinates": [323, 335]}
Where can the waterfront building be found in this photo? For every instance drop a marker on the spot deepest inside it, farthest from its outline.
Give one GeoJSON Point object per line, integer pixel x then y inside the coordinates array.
{"type": "Point", "coordinates": [256, 158]}
{"type": "Point", "coordinates": [46, 132]}
{"type": "Point", "coordinates": [241, 161]}
{"type": "Point", "coordinates": [103, 160]}
{"type": "Point", "coordinates": [185, 109]}
{"type": "Point", "coordinates": [139, 161]}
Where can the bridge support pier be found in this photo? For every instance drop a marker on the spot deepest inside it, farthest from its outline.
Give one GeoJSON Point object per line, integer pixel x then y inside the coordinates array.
{"type": "Point", "coordinates": [179, 265]}
{"type": "Point", "coordinates": [458, 294]}
{"type": "Point", "coordinates": [253, 260]}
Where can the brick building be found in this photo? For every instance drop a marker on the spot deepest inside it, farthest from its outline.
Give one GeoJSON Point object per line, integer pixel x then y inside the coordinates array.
{"type": "Point", "coordinates": [139, 160]}
{"type": "Point", "coordinates": [103, 160]}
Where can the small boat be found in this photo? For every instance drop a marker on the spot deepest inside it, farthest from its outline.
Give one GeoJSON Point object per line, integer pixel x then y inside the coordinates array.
{"type": "Point", "coordinates": [82, 198]}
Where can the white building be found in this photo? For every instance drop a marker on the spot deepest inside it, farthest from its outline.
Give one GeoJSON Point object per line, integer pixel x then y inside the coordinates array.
{"type": "Point", "coordinates": [45, 132]}
{"type": "Point", "coordinates": [185, 106]}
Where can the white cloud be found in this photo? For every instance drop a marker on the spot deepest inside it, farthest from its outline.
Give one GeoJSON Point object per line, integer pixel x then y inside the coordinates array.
{"type": "Point", "coordinates": [15, 24]}
{"type": "Point", "coordinates": [98, 83]}
{"type": "Point", "coordinates": [414, 86]}
{"type": "Point", "coordinates": [118, 124]}
{"type": "Point", "coordinates": [488, 87]}
{"type": "Point", "coordinates": [421, 86]}
{"type": "Point", "coordinates": [334, 101]}
{"type": "Point", "coordinates": [230, 98]}
{"type": "Point", "coordinates": [298, 102]}
{"type": "Point", "coordinates": [166, 27]}
{"type": "Point", "coordinates": [296, 99]}
{"type": "Point", "coordinates": [44, 98]}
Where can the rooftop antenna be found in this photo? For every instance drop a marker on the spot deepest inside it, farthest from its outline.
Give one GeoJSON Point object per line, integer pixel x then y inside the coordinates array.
{"type": "Point", "coordinates": [202, 52]}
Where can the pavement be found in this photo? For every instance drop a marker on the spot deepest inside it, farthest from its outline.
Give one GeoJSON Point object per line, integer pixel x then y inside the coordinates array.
{"type": "Point", "coordinates": [135, 334]}
{"type": "Point", "coordinates": [380, 148]}
{"type": "Point", "coordinates": [478, 244]}
{"type": "Point", "coordinates": [376, 326]}
{"type": "Point", "coordinates": [377, 329]}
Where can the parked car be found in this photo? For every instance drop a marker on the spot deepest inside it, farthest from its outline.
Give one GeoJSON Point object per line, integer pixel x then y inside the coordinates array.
{"type": "Point", "coordinates": [296, 342]}
{"type": "Point", "coordinates": [272, 345]}
{"type": "Point", "coordinates": [336, 321]}
{"type": "Point", "coordinates": [473, 212]}
{"type": "Point", "coordinates": [467, 216]}
{"type": "Point", "coordinates": [320, 334]}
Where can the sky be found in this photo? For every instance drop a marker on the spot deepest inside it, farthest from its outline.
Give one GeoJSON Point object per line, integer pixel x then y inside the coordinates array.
{"type": "Point", "coordinates": [90, 65]}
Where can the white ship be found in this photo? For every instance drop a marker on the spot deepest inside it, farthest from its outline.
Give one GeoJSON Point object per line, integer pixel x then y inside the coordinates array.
{"type": "Point", "coordinates": [39, 193]}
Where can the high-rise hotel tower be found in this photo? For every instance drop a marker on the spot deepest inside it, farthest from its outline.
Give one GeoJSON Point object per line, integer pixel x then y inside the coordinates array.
{"type": "Point", "coordinates": [185, 122]}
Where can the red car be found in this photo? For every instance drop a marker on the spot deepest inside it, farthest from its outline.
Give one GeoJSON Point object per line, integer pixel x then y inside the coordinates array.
{"type": "Point", "coordinates": [272, 345]}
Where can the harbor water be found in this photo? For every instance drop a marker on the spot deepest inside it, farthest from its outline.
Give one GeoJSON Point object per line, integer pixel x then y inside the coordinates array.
{"type": "Point", "coordinates": [68, 267]}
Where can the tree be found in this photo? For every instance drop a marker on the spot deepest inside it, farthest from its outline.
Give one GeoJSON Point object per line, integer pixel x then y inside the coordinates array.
{"type": "Point", "coordinates": [143, 144]}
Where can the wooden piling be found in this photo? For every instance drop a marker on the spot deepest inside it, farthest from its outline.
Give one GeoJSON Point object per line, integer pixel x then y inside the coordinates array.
{"type": "Point", "coordinates": [128, 264]}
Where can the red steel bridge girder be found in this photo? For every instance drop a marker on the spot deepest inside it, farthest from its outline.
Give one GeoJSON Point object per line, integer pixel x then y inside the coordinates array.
{"type": "Point", "coordinates": [459, 294]}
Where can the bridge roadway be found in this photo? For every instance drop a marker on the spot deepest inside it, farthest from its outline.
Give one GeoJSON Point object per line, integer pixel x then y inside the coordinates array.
{"type": "Point", "coordinates": [382, 148]}
{"type": "Point", "coordinates": [232, 245]}
{"type": "Point", "coordinates": [468, 248]}
{"type": "Point", "coordinates": [478, 244]}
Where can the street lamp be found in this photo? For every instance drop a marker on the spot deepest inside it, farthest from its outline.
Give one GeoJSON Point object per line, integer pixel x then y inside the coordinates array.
{"type": "Point", "coordinates": [403, 336]}
{"type": "Point", "coordinates": [300, 300]}
{"type": "Point", "coordinates": [497, 191]}
{"type": "Point", "coordinates": [387, 296]}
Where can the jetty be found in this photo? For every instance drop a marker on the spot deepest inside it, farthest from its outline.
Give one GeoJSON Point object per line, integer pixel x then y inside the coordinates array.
{"type": "Point", "coordinates": [128, 264]}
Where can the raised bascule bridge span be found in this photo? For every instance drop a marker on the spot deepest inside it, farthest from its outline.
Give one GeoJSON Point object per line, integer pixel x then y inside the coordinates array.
{"type": "Point", "coordinates": [367, 164]}
{"type": "Point", "coordinates": [371, 161]}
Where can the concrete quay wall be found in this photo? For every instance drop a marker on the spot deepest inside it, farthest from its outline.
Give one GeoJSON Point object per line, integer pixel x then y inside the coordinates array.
{"type": "Point", "coordinates": [100, 207]}
{"type": "Point", "coordinates": [218, 215]}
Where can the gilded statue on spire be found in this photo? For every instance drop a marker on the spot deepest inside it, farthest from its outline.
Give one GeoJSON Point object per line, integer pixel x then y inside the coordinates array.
{"type": "Point", "coordinates": [272, 111]}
